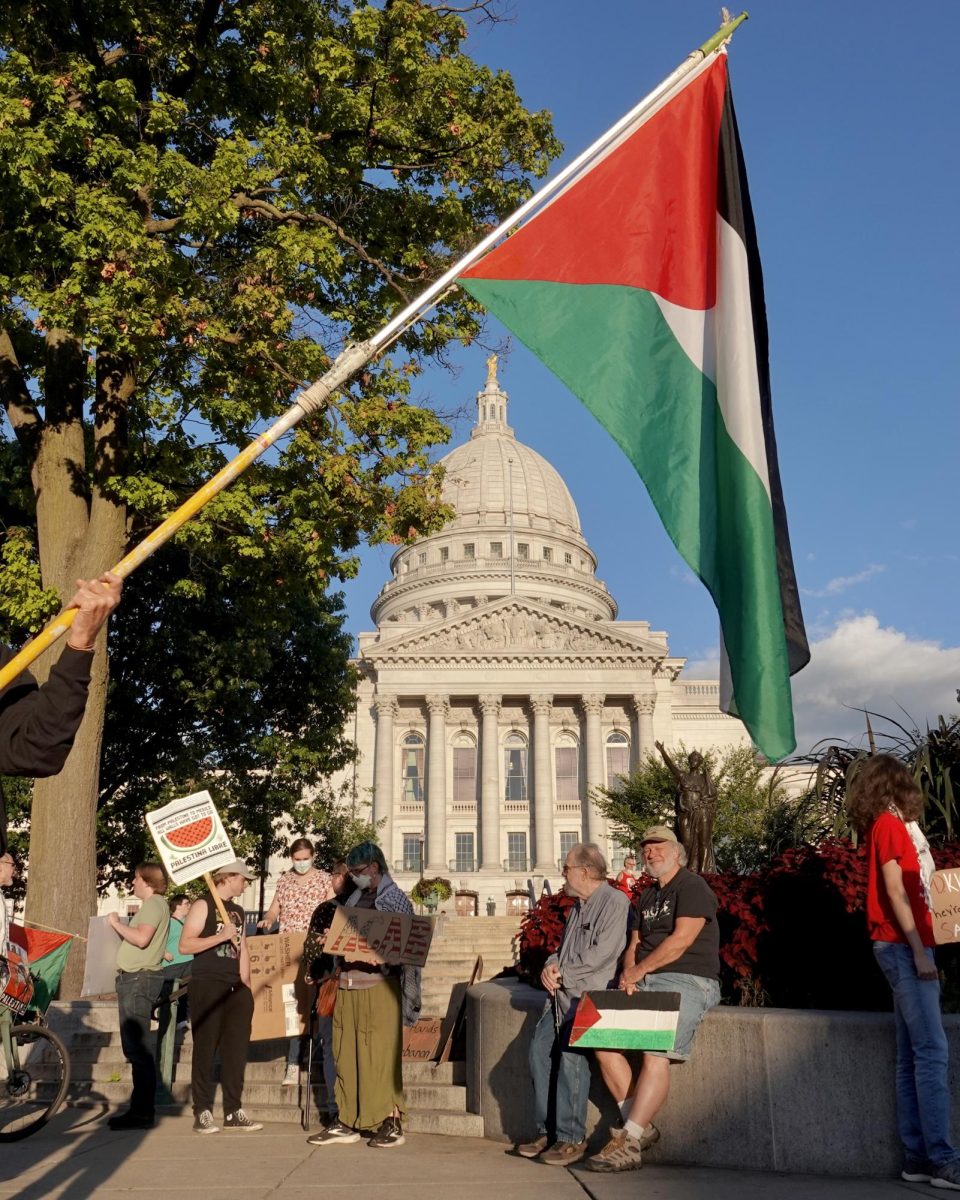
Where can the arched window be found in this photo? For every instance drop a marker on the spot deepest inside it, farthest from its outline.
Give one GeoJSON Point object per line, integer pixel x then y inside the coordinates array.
{"type": "Point", "coordinates": [568, 769]}
{"type": "Point", "coordinates": [618, 757]}
{"type": "Point", "coordinates": [413, 768]}
{"type": "Point", "coordinates": [464, 769]}
{"type": "Point", "coordinates": [515, 766]}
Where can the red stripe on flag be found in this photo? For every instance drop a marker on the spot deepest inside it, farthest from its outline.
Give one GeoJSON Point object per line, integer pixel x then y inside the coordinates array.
{"type": "Point", "coordinates": [36, 942]}
{"type": "Point", "coordinates": [644, 217]}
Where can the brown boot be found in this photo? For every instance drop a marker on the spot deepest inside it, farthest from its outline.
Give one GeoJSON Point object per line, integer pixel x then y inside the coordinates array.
{"type": "Point", "coordinates": [564, 1154]}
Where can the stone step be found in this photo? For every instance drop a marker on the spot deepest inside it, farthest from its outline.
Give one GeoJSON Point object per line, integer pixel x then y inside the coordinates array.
{"type": "Point", "coordinates": [451, 1124]}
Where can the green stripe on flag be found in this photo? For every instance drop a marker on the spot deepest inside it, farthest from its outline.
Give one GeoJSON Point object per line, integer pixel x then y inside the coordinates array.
{"type": "Point", "coordinates": [627, 1039]}
{"type": "Point", "coordinates": [47, 971]}
{"type": "Point", "coordinates": [615, 350]}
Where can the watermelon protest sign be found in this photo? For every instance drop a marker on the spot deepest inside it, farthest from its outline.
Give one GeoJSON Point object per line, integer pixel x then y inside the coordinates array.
{"type": "Point", "coordinates": [365, 935]}
{"type": "Point", "coordinates": [615, 1021]}
{"type": "Point", "coordinates": [16, 985]}
{"type": "Point", "coordinates": [190, 837]}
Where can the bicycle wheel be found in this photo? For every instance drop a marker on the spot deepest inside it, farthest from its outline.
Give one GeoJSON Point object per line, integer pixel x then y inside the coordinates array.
{"type": "Point", "coordinates": [33, 1080]}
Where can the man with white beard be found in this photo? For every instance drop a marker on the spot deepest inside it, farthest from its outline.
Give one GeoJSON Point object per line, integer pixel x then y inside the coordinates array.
{"type": "Point", "coordinates": [674, 946]}
{"type": "Point", "coordinates": [593, 940]}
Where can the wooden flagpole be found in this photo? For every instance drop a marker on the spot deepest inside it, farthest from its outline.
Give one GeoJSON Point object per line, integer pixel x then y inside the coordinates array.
{"type": "Point", "coordinates": [358, 354]}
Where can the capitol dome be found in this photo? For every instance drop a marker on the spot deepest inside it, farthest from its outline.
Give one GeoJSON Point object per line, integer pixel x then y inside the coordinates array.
{"type": "Point", "coordinates": [516, 532]}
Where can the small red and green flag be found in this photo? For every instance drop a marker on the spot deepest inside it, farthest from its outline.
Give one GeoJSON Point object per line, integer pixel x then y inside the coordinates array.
{"type": "Point", "coordinates": [47, 956]}
{"type": "Point", "coordinates": [615, 1021]}
{"type": "Point", "coordinates": [639, 285]}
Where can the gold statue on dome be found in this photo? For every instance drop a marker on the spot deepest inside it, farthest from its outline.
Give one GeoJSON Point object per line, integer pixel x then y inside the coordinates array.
{"type": "Point", "coordinates": [492, 371]}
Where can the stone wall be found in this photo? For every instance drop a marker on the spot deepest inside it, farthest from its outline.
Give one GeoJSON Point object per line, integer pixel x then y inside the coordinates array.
{"type": "Point", "coordinates": [766, 1089]}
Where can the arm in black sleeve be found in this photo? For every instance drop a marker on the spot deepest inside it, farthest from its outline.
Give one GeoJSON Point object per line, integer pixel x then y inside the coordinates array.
{"type": "Point", "coordinates": [38, 724]}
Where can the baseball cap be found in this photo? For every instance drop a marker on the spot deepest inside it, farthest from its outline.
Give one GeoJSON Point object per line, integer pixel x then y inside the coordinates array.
{"type": "Point", "coordinates": [237, 867]}
{"type": "Point", "coordinates": [658, 833]}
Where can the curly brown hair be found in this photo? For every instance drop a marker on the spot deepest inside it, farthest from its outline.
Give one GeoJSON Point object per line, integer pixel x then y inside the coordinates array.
{"type": "Point", "coordinates": [883, 781]}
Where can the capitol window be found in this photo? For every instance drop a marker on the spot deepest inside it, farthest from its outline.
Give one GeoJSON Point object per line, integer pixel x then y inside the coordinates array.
{"type": "Point", "coordinates": [413, 769]}
{"type": "Point", "coordinates": [547, 554]}
{"type": "Point", "coordinates": [444, 553]}
{"type": "Point", "coordinates": [523, 550]}
{"type": "Point", "coordinates": [618, 757]}
{"type": "Point", "coordinates": [422, 558]}
{"type": "Point", "coordinates": [496, 549]}
{"type": "Point", "coordinates": [568, 559]}
{"type": "Point", "coordinates": [515, 767]}
{"type": "Point", "coordinates": [464, 769]}
{"type": "Point", "coordinates": [568, 770]}
{"type": "Point", "coordinates": [468, 550]}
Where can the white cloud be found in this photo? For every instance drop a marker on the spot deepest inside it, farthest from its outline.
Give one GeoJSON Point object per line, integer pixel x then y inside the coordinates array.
{"type": "Point", "coordinates": [684, 574]}
{"type": "Point", "coordinates": [841, 583]}
{"type": "Point", "coordinates": [865, 665]}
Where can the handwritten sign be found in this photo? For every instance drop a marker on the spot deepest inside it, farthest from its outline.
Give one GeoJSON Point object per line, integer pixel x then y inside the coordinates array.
{"type": "Point", "coordinates": [190, 837]}
{"type": "Point", "coordinates": [945, 905]}
{"type": "Point", "coordinates": [281, 998]}
{"type": "Point", "coordinates": [421, 1042]}
{"type": "Point", "coordinates": [365, 935]}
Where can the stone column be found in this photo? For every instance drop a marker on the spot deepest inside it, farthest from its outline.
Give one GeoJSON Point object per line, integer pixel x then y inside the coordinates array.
{"type": "Point", "coordinates": [384, 756]}
{"type": "Point", "coordinates": [490, 783]}
{"type": "Point", "coordinates": [644, 703]}
{"type": "Point", "coordinates": [436, 809]}
{"type": "Point", "coordinates": [593, 823]}
{"type": "Point", "coordinates": [543, 856]}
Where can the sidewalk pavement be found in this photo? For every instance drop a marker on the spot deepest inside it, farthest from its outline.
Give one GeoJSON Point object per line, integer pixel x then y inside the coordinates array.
{"type": "Point", "coordinates": [76, 1157]}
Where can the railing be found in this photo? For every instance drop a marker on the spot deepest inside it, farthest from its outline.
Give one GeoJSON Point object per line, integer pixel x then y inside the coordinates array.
{"type": "Point", "coordinates": [464, 806]}
{"type": "Point", "coordinates": [462, 864]}
{"type": "Point", "coordinates": [518, 864]}
{"type": "Point", "coordinates": [516, 806]}
{"type": "Point", "coordinates": [411, 864]}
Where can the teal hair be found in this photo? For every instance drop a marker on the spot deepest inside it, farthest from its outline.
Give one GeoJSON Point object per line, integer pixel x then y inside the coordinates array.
{"type": "Point", "coordinates": [367, 852]}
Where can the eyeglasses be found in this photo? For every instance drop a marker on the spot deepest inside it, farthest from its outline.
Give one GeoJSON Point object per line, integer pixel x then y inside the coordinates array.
{"type": "Point", "coordinates": [572, 867]}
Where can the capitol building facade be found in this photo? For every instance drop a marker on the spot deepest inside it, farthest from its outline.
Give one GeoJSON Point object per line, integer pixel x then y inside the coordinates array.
{"type": "Point", "coordinates": [498, 690]}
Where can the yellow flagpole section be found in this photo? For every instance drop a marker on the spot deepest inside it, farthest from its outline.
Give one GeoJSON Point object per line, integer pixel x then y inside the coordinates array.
{"type": "Point", "coordinates": [351, 360]}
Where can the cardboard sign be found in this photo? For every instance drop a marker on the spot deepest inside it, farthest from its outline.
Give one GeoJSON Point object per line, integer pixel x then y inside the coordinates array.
{"type": "Point", "coordinates": [945, 905]}
{"type": "Point", "coordinates": [365, 935]}
{"type": "Point", "coordinates": [190, 837]}
{"type": "Point", "coordinates": [281, 998]}
{"type": "Point", "coordinates": [100, 965]}
{"type": "Point", "coordinates": [15, 980]}
{"type": "Point", "coordinates": [420, 1044]}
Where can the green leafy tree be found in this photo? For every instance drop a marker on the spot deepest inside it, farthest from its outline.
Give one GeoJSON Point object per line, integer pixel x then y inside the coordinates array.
{"type": "Point", "coordinates": [200, 201]}
{"type": "Point", "coordinates": [755, 817]}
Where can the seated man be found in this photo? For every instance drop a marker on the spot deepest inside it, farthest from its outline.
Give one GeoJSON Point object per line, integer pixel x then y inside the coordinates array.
{"type": "Point", "coordinates": [674, 946]}
{"type": "Point", "coordinates": [593, 939]}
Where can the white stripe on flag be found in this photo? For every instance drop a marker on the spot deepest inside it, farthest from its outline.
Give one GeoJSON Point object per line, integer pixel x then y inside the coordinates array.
{"type": "Point", "coordinates": [636, 1018]}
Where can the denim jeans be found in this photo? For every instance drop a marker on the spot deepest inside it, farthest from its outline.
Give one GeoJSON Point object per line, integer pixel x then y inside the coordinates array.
{"type": "Point", "coordinates": [137, 993]}
{"type": "Point", "coordinates": [923, 1096]}
{"type": "Point", "coordinates": [549, 1057]}
{"type": "Point", "coordinates": [325, 1036]}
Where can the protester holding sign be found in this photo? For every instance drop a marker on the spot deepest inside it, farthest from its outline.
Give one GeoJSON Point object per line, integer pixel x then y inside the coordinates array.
{"type": "Point", "coordinates": [298, 893]}
{"type": "Point", "coordinates": [374, 1002]}
{"type": "Point", "coordinates": [221, 1003]}
{"type": "Point", "coordinates": [885, 801]}
{"type": "Point", "coordinates": [139, 980]}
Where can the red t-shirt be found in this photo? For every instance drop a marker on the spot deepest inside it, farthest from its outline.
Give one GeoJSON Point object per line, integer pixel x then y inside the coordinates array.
{"type": "Point", "coordinates": [889, 841]}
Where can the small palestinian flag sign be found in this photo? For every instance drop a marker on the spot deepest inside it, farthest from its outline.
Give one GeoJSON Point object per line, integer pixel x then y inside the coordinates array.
{"type": "Point", "coordinates": [616, 1021]}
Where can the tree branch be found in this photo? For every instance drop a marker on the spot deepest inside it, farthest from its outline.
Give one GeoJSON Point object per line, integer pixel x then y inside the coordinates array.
{"type": "Point", "coordinates": [21, 411]}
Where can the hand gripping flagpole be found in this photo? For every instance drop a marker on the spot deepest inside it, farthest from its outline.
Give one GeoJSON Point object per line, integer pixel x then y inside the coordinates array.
{"type": "Point", "coordinates": [358, 354]}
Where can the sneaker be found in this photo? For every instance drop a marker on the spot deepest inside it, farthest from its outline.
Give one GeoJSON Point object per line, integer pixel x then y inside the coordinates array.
{"type": "Point", "coordinates": [129, 1120]}
{"type": "Point", "coordinates": [291, 1076]}
{"type": "Point", "coordinates": [916, 1170]}
{"type": "Point", "coordinates": [650, 1135]}
{"type": "Point", "coordinates": [532, 1149]}
{"type": "Point", "coordinates": [335, 1133]}
{"type": "Point", "coordinates": [564, 1154]}
{"type": "Point", "coordinates": [621, 1153]}
{"type": "Point", "coordinates": [203, 1122]}
{"type": "Point", "coordinates": [240, 1120]}
{"type": "Point", "coordinates": [947, 1176]}
{"type": "Point", "coordinates": [390, 1133]}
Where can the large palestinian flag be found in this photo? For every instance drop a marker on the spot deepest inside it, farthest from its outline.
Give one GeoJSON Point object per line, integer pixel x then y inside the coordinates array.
{"type": "Point", "coordinates": [639, 285]}
{"type": "Point", "coordinates": [615, 1021]}
{"type": "Point", "coordinates": [47, 955]}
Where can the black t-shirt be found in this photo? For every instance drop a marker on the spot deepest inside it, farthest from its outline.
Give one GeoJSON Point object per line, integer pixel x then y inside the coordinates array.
{"type": "Point", "coordinates": [655, 915]}
{"type": "Point", "coordinates": [223, 961]}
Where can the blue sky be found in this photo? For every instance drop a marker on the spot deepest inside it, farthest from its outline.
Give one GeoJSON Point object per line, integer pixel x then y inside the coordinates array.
{"type": "Point", "coordinates": [849, 120]}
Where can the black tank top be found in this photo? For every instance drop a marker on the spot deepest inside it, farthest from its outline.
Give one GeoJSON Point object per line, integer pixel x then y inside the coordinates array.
{"type": "Point", "coordinates": [223, 961]}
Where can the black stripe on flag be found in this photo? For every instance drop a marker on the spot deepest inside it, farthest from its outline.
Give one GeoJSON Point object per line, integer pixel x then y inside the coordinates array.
{"type": "Point", "coordinates": [733, 204]}
{"type": "Point", "coordinates": [652, 1001]}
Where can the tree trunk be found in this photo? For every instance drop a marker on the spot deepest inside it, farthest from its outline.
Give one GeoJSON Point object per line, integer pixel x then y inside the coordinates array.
{"type": "Point", "coordinates": [81, 533]}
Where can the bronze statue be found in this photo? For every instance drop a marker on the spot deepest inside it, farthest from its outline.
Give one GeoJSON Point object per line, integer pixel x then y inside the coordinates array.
{"type": "Point", "coordinates": [696, 806]}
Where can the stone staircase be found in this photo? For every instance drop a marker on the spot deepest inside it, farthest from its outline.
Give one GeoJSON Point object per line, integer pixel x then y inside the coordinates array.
{"type": "Point", "coordinates": [456, 944]}
{"type": "Point", "coordinates": [100, 1077]}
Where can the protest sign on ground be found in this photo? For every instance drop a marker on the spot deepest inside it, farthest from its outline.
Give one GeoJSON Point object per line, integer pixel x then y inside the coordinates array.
{"type": "Point", "coordinates": [190, 837]}
{"type": "Point", "coordinates": [366, 935]}
{"type": "Point", "coordinates": [945, 905]}
{"type": "Point", "coordinates": [281, 999]}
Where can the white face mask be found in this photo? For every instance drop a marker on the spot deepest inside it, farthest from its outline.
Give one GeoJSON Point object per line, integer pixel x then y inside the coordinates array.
{"type": "Point", "coordinates": [362, 881]}
{"type": "Point", "coordinates": [302, 865]}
